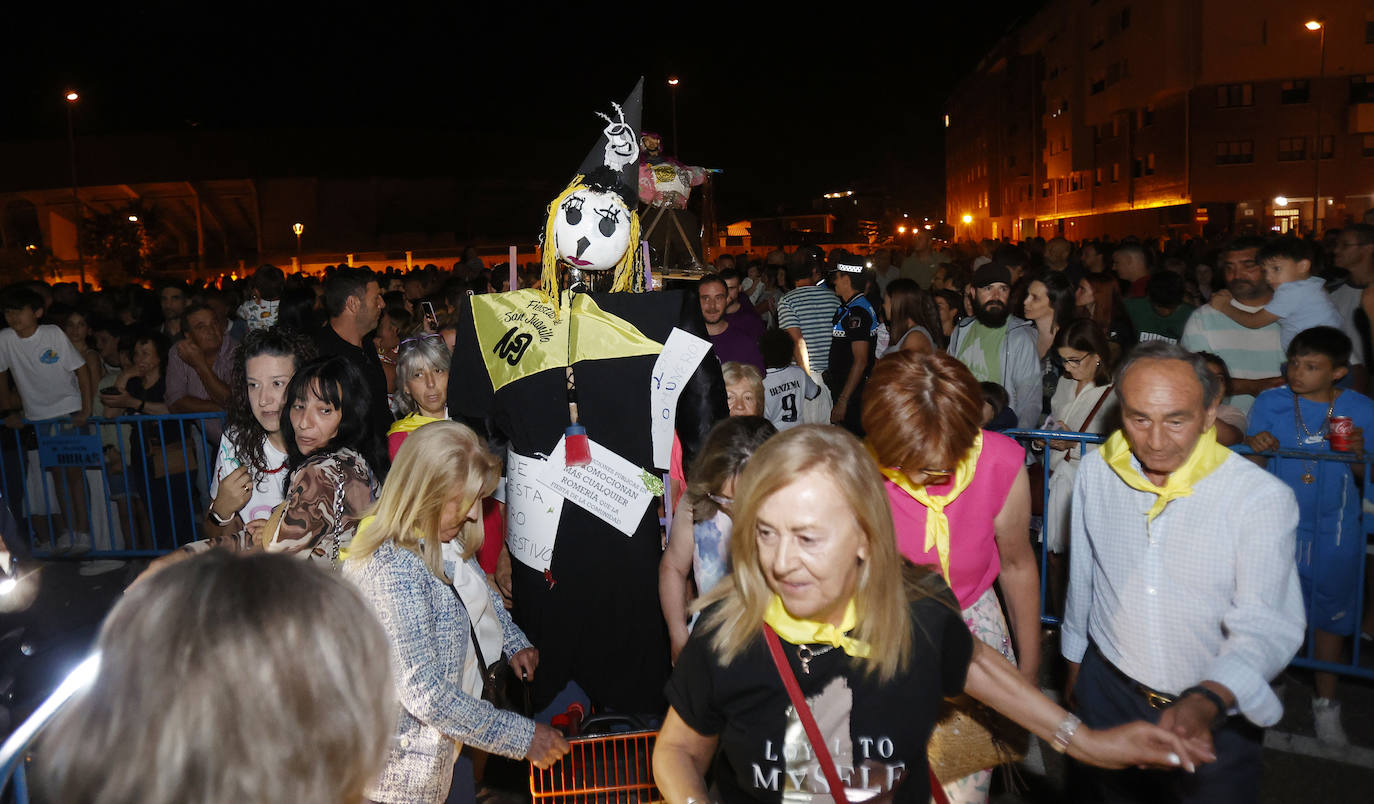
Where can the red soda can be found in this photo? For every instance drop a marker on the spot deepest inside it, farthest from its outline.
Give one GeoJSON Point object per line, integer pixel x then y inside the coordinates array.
{"type": "Point", "coordinates": [1339, 430]}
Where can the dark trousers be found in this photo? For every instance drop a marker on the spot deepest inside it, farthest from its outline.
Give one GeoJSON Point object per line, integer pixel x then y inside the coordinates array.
{"type": "Point", "coordinates": [1106, 700]}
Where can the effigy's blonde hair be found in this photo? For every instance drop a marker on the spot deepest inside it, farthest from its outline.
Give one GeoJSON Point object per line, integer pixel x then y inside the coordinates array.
{"type": "Point", "coordinates": [629, 272]}
{"type": "Point", "coordinates": [432, 461]}
{"type": "Point", "coordinates": [882, 592]}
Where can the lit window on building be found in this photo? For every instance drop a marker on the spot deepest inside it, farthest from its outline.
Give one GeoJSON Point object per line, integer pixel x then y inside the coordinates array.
{"type": "Point", "coordinates": [1292, 149]}
{"type": "Point", "coordinates": [1232, 95]}
{"type": "Point", "coordinates": [1235, 152]}
{"type": "Point", "coordinates": [1116, 172]}
{"type": "Point", "coordinates": [1295, 91]}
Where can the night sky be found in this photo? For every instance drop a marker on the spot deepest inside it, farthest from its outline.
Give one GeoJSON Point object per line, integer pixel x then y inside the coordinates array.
{"type": "Point", "coordinates": [791, 102]}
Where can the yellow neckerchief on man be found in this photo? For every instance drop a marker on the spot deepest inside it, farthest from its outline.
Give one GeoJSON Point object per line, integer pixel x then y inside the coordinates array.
{"type": "Point", "coordinates": [937, 523]}
{"type": "Point", "coordinates": [1207, 455]}
{"type": "Point", "coordinates": [810, 632]}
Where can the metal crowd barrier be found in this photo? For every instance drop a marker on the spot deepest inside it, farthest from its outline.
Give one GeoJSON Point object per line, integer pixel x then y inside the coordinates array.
{"type": "Point", "coordinates": [140, 481]}
{"type": "Point", "coordinates": [1324, 462]}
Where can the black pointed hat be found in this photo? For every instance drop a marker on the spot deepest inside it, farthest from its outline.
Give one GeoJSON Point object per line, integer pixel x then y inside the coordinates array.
{"type": "Point", "coordinates": [613, 163]}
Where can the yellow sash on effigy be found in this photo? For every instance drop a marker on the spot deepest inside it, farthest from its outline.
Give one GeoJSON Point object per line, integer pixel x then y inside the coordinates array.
{"type": "Point", "coordinates": [521, 334]}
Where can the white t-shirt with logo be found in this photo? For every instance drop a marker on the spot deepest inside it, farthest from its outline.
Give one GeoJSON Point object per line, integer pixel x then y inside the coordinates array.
{"type": "Point", "coordinates": [269, 490]}
{"type": "Point", "coordinates": [44, 367]}
{"type": "Point", "coordinates": [784, 389]}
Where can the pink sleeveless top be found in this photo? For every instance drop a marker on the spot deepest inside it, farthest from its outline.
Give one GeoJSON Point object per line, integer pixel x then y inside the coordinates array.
{"type": "Point", "coordinates": [973, 559]}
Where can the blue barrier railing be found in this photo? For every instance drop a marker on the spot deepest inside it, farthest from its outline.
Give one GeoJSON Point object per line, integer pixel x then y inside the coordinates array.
{"type": "Point", "coordinates": [124, 487]}
{"type": "Point", "coordinates": [1321, 460]}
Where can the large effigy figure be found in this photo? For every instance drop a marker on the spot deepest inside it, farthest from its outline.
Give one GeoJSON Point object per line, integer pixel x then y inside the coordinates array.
{"type": "Point", "coordinates": [665, 186]}
{"type": "Point", "coordinates": [594, 354]}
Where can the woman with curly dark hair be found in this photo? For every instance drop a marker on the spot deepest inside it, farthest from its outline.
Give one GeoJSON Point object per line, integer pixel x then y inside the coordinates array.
{"type": "Point", "coordinates": [247, 483]}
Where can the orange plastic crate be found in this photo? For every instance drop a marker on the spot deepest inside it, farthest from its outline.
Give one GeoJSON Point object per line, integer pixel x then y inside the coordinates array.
{"type": "Point", "coordinates": [602, 768]}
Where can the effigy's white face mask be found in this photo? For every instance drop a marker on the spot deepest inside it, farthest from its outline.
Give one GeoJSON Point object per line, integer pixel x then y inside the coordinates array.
{"type": "Point", "coordinates": [592, 230]}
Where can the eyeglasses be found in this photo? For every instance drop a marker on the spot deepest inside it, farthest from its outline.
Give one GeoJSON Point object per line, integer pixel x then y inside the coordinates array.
{"type": "Point", "coordinates": [418, 339]}
{"type": "Point", "coordinates": [1075, 362]}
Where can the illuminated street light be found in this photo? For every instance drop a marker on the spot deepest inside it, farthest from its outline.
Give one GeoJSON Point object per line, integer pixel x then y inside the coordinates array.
{"type": "Point", "coordinates": [1318, 27]}
{"type": "Point", "coordinates": [79, 212]}
{"type": "Point", "coordinates": [901, 230]}
{"type": "Point", "coordinates": [672, 92]}
{"type": "Point", "coordinates": [133, 219]}
{"type": "Point", "coordinates": [968, 219]}
{"type": "Point", "coordinates": [298, 228]}
{"type": "Point", "coordinates": [1280, 200]}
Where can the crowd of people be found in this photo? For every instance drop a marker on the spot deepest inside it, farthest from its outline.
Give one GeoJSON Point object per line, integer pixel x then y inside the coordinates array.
{"type": "Point", "coordinates": [859, 501]}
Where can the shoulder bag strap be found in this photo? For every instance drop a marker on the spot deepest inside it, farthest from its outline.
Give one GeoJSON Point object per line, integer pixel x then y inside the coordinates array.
{"type": "Point", "coordinates": [472, 632]}
{"type": "Point", "coordinates": [1092, 414]}
{"type": "Point", "coordinates": [813, 732]}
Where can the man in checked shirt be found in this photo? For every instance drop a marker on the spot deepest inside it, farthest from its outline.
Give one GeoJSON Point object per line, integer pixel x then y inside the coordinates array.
{"type": "Point", "coordinates": [1183, 596]}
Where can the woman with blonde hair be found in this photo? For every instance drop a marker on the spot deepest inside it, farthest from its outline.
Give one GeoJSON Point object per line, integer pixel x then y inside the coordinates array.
{"type": "Point", "coordinates": [413, 560]}
{"type": "Point", "coordinates": [743, 389]}
{"type": "Point", "coordinates": [819, 596]}
{"type": "Point", "coordinates": [228, 678]}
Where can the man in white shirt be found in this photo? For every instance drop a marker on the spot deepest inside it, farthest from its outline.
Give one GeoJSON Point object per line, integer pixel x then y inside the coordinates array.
{"type": "Point", "coordinates": [1183, 596]}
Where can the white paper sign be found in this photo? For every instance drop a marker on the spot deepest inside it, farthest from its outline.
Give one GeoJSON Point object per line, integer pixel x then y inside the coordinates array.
{"type": "Point", "coordinates": [532, 512]}
{"type": "Point", "coordinates": [610, 487]}
{"type": "Point", "coordinates": [673, 368]}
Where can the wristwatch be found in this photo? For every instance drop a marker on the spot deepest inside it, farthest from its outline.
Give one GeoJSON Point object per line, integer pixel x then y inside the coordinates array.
{"type": "Point", "coordinates": [1222, 715]}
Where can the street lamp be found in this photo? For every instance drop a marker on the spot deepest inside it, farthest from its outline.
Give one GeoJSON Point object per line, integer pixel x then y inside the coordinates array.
{"type": "Point", "coordinates": [1318, 27]}
{"type": "Point", "coordinates": [672, 91]}
{"type": "Point", "coordinates": [72, 97]}
{"type": "Point", "coordinates": [298, 228]}
{"type": "Point", "coordinates": [1280, 200]}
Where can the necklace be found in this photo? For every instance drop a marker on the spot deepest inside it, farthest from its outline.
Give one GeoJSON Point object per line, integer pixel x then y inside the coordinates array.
{"type": "Point", "coordinates": [806, 654]}
{"type": "Point", "coordinates": [1306, 436]}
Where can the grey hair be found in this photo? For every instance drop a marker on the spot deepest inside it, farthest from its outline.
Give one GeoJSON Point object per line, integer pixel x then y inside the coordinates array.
{"type": "Point", "coordinates": [229, 678]}
{"type": "Point", "coordinates": [423, 353]}
{"type": "Point", "coordinates": [1212, 387]}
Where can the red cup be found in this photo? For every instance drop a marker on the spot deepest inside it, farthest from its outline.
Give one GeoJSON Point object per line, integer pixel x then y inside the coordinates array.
{"type": "Point", "coordinates": [1339, 430]}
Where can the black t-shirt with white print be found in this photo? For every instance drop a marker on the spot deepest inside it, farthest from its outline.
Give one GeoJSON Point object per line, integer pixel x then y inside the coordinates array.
{"type": "Point", "coordinates": [876, 732]}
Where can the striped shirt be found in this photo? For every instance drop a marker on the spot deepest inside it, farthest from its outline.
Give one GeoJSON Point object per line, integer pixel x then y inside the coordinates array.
{"type": "Point", "coordinates": [1208, 591]}
{"type": "Point", "coordinates": [811, 308]}
{"type": "Point", "coordinates": [1250, 354]}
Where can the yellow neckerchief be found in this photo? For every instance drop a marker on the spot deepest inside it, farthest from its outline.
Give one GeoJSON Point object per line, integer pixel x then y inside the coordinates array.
{"type": "Point", "coordinates": [1207, 455]}
{"type": "Point", "coordinates": [937, 524]}
{"type": "Point", "coordinates": [810, 632]}
{"type": "Point", "coordinates": [410, 423]}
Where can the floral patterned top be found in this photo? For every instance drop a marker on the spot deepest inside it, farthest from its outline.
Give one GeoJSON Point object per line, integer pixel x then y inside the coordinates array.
{"type": "Point", "coordinates": [325, 498]}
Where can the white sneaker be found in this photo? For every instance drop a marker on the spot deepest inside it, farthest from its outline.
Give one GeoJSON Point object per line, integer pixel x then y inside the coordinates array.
{"type": "Point", "coordinates": [100, 567]}
{"type": "Point", "coordinates": [1326, 715]}
{"type": "Point", "coordinates": [78, 542]}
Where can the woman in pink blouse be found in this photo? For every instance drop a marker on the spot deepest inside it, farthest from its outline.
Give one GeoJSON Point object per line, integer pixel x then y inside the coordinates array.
{"type": "Point", "coordinates": [960, 502]}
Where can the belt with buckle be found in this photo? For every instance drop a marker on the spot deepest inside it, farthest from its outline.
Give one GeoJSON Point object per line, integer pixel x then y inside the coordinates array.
{"type": "Point", "coordinates": [1155, 698]}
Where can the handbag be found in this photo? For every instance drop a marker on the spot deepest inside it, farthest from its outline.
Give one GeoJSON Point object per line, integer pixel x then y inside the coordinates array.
{"type": "Point", "coordinates": [970, 737]}
{"type": "Point", "coordinates": [813, 732]}
{"type": "Point", "coordinates": [501, 687]}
